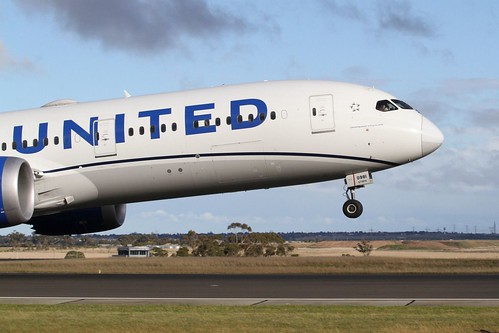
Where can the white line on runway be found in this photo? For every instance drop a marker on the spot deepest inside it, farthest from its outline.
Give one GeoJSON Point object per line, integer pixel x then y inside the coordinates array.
{"type": "Point", "coordinates": [254, 301]}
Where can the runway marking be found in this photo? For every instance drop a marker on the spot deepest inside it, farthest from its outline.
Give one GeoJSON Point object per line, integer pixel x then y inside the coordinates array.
{"type": "Point", "coordinates": [73, 301]}
{"type": "Point", "coordinates": [253, 301]}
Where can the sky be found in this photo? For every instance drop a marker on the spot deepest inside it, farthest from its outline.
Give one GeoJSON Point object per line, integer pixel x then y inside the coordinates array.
{"type": "Point", "coordinates": [442, 57]}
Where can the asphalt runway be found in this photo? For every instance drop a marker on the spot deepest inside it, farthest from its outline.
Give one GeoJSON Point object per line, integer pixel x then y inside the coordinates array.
{"type": "Point", "coordinates": [251, 289]}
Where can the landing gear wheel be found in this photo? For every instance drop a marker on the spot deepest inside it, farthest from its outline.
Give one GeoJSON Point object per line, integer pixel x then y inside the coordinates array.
{"type": "Point", "coordinates": [352, 208]}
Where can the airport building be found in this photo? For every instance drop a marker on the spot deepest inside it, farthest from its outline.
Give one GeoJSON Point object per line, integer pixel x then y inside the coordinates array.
{"type": "Point", "coordinates": [144, 251]}
{"type": "Point", "coordinates": [134, 251]}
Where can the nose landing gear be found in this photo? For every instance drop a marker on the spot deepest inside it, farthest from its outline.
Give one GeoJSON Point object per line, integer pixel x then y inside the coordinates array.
{"type": "Point", "coordinates": [352, 208]}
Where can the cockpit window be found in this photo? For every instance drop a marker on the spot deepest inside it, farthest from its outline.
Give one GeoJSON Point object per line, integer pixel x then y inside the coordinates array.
{"type": "Point", "coordinates": [385, 105]}
{"type": "Point", "coordinates": [401, 104]}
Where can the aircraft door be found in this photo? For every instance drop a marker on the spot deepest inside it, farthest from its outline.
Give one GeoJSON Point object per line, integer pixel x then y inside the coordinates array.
{"type": "Point", "coordinates": [321, 113]}
{"type": "Point", "coordinates": [104, 138]}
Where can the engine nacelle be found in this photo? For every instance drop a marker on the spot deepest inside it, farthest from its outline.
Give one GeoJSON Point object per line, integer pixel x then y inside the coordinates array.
{"type": "Point", "coordinates": [17, 191]}
{"type": "Point", "coordinates": [80, 221]}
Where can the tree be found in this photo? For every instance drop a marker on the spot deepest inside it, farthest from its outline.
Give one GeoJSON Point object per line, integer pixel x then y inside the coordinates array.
{"type": "Point", "coordinates": [254, 250]}
{"type": "Point", "coordinates": [16, 239]}
{"type": "Point", "coordinates": [241, 243]}
{"type": "Point", "coordinates": [159, 252]}
{"type": "Point", "coordinates": [270, 243]}
{"type": "Point", "coordinates": [191, 239]}
{"type": "Point", "coordinates": [41, 241]}
{"type": "Point", "coordinates": [245, 230]}
{"type": "Point", "coordinates": [209, 246]}
{"type": "Point", "coordinates": [183, 252]}
{"type": "Point", "coordinates": [231, 249]}
{"type": "Point", "coordinates": [284, 249]}
{"type": "Point", "coordinates": [364, 247]}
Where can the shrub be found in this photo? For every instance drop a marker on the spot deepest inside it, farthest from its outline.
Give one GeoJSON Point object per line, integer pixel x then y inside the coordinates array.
{"type": "Point", "coordinates": [159, 252]}
{"type": "Point", "coordinates": [74, 255]}
{"type": "Point", "coordinates": [183, 252]}
{"type": "Point", "coordinates": [364, 247]}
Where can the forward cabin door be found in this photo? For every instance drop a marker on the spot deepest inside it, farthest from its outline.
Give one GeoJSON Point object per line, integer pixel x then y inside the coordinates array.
{"type": "Point", "coordinates": [104, 138]}
{"type": "Point", "coordinates": [321, 113]}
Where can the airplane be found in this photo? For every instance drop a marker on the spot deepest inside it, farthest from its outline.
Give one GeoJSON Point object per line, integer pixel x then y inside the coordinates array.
{"type": "Point", "coordinates": [71, 168]}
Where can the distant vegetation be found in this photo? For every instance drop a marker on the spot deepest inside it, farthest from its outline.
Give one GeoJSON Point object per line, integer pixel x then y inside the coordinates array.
{"type": "Point", "coordinates": [444, 245]}
{"type": "Point", "coordinates": [241, 241]}
{"type": "Point", "coordinates": [234, 234]}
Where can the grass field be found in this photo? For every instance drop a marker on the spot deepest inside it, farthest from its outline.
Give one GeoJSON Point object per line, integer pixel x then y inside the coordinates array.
{"type": "Point", "coordinates": [155, 318]}
{"type": "Point", "coordinates": [281, 318]}
{"type": "Point", "coordinates": [239, 265]}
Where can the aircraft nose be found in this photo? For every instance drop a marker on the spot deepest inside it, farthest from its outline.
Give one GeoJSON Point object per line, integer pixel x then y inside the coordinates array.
{"type": "Point", "coordinates": [431, 137]}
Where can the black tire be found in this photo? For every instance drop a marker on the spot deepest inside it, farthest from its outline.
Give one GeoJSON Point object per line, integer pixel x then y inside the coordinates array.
{"type": "Point", "coordinates": [352, 209]}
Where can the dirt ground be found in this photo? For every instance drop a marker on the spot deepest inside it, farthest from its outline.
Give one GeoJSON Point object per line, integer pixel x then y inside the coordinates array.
{"type": "Point", "coordinates": [7, 253]}
{"type": "Point", "coordinates": [430, 249]}
{"type": "Point", "coordinates": [436, 249]}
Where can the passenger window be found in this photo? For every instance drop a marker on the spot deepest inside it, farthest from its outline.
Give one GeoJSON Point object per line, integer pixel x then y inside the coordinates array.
{"type": "Point", "coordinates": [272, 115]}
{"type": "Point", "coordinates": [217, 122]}
{"type": "Point", "coordinates": [153, 129]}
{"type": "Point", "coordinates": [130, 131]}
{"type": "Point", "coordinates": [385, 105]}
{"type": "Point", "coordinates": [35, 142]}
{"type": "Point", "coordinates": [4, 146]}
{"type": "Point", "coordinates": [251, 117]}
{"type": "Point", "coordinates": [163, 128]}
{"type": "Point", "coordinates": [45, 141]}
{"type": "Point", "coordinates": [25, 143]}
{"type": "Point", "coordinates": [141, 130]}
{"type": "Point", "coordinates": [228, 120]}
{"type": "Point", "coordinates": [174, 127]}
{"type": "Point", "coordinates": [262, 116]}
{"type": "Point", "coordinates": [56, 140]}
{"type": "Point", "coordinates": [206, 122]}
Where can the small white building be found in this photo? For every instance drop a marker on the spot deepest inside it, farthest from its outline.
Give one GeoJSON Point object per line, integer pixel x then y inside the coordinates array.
{"type": "Point", "coordinates": [134, 251]}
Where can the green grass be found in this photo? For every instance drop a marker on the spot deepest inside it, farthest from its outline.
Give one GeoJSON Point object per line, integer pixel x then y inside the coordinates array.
{"type": "Point", "coordinates": [168, 318]}
{"type": "Point", "coordinates": [238, 265]}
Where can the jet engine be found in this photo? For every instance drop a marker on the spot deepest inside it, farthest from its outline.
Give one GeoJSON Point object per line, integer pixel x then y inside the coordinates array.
{"type": "Point", "coordinates": [17, 191]}
{"type": "Point", "coordinates": [80, 221]}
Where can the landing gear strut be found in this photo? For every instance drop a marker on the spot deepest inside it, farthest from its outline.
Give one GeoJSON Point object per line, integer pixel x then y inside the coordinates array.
{"type": "Point", "coordinates": [353, 208]}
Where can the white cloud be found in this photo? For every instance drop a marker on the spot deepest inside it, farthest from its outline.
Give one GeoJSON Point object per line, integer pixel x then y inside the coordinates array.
{"type": "Point", "coordinates": [8, 62]}
{"type": "Point", "coordinates": [191, 217]}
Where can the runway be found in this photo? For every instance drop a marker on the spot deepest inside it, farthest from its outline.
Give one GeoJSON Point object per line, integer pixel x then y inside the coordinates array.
{"type": "Point", "coordinates": [250, 289]}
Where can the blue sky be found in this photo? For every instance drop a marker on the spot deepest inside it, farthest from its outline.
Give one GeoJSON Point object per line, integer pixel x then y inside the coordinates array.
{"type": "Point", "coordinates": [442, 57]}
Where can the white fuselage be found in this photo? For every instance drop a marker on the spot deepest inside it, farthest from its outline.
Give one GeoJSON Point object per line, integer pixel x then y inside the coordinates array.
{"type": "Point", "coordinates": [222, 139]}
